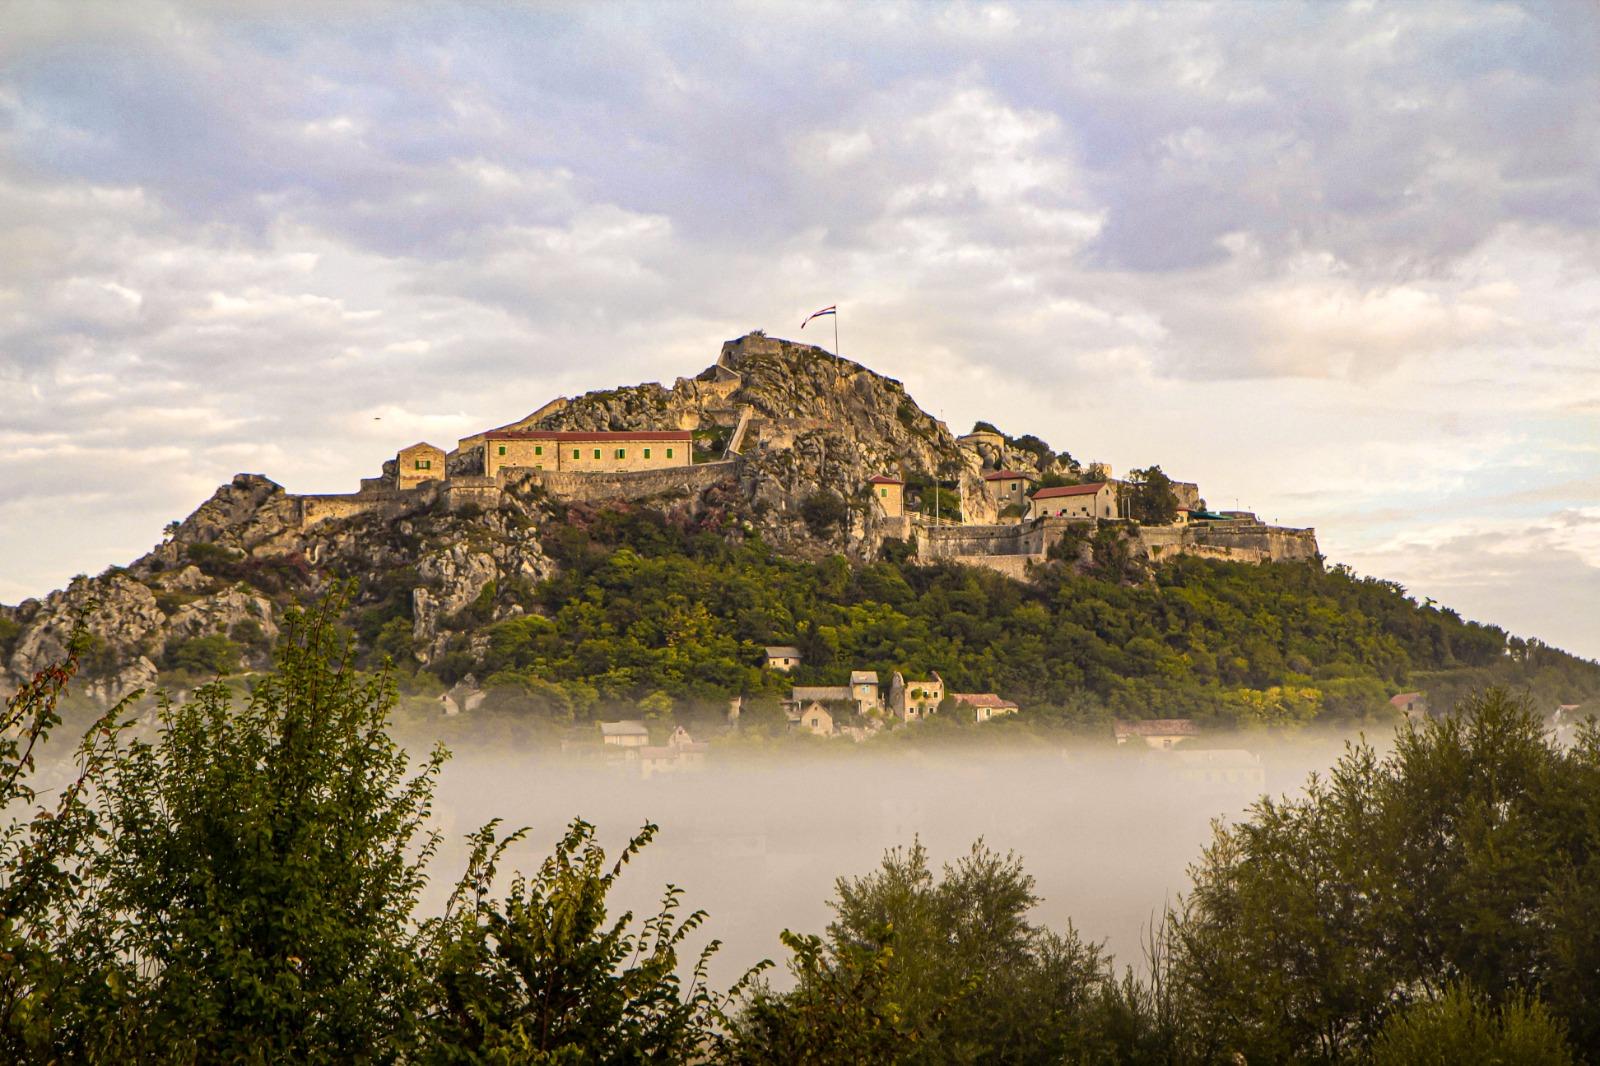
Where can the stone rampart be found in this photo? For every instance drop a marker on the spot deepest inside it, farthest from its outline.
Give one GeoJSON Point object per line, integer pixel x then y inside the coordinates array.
{"type": "Point", "coordinates": [1237, 541]}
{"type": "Point", "coordinates": [314, 509]}
{"type": "Point", "coordinates": [622, 484]}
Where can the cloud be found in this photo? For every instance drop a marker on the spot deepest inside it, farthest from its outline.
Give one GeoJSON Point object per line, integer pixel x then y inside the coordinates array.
{"type": "Point", "coordinates": [1336, 261]}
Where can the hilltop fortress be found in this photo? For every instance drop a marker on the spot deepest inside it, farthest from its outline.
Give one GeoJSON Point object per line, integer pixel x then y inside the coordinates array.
{"type": "Point", "coordinates": [779, 423]}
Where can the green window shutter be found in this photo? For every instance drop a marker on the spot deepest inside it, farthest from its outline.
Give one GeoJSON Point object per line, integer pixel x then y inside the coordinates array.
{"type": "Point", "coordinates": [669, 453]}
{"type": "Point", "coordinates": [647, 453]}
{"type": "Point", "coordinates": [622, 453]}
{"type": "Point", "coordinates": [597, 453]}
{"type": "Point", "coordinates": [502, 449]}
{"type": "Point", "coordinates": [884, 493]}
{"type": "Point", "coordinates": [538, 449]}
{"type": "Point", "coordinates": [574, 453]}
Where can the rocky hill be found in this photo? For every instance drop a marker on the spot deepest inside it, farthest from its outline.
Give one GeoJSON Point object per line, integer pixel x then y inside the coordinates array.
{"type": "Point", "coordinates": [785, 425]}
{"type": "Point", "coordinates": [470, 573]}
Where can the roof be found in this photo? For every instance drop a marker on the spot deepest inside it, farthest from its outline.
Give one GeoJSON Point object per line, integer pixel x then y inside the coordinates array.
{"type": "Point", "coordinates": [802, 693]}
{"type": "Point", "coordinates": [1070, 490]}
{"type": "Point", "coordinates": [578, 438]}
{"type": "Point", "coordinates": [881, 480]}
{"type": "Point", "coordinates": [783, 652]}
{"type": "Point", "coordinates": [420, 444]}
{"type": "Point", "coordinates": [1405, 697]}
{"type": "Point", "coordinates": [1158, 727]}
{"type": "Point", "coordinates": [623, 729]}
{"type": "Point", "coordinates": [1010, 475]}
{"type": "Point", "coordinates": [982, 699]}
{"type": "Point", "coordinates": [863, 677]}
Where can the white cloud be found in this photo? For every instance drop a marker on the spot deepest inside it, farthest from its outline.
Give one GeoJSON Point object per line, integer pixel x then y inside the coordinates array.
{"type": "Point", "coordinates": [1338, 264]}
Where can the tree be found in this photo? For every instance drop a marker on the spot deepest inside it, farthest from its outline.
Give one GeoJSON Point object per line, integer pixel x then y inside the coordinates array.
{"type": "Point", "coordinates": [1455, 857]}
{"type": "Point", "coordinates": [253, 897]}
{"type": "Point", "coordinates": [545, 975]}
{"type": "Point", "coordinates": [43, 851]}
{"type": "Point", "coordinates": [944, 970]}
{"type": "Point", "coordinates": [824, 512]}
{"type": "Point", "coordinates": [1152, 500]}
{"type": "Point", "coordinates": [1459, 1028]}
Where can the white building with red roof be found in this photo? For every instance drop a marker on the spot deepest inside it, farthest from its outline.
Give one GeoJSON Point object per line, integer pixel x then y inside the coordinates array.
{"type": "Point", "coordinates": [1097, 499]}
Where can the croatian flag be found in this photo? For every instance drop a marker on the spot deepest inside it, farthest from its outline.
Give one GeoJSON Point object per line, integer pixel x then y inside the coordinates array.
{"type": "Point", "coordinates": [831, 309]}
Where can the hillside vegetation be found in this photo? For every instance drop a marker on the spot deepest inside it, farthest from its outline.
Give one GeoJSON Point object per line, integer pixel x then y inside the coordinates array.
{"type": "Point", "coordinates": [643, 611]}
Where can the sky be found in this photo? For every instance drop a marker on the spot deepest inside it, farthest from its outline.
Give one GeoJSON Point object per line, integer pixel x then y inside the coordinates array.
{"type": "Point", "coordinates": [1338, 263]}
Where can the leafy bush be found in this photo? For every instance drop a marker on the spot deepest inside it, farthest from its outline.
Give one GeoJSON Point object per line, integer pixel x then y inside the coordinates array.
{"type": "Point", "coordinates": [824, 512]}
{"type": "Point", "coordinates": [210, 656]}
{"type": "Point", "coordinates": [1460, 1029]}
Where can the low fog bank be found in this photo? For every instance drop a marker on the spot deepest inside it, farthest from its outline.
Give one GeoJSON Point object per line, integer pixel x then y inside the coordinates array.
{"type": "Point", "coordinates": [758, 840]}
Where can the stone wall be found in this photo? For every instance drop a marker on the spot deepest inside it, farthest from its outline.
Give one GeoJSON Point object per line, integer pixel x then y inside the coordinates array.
{"type": "Point", "coordinates": [623, 484]}
{"type": "Point", "coordinates": [315, 509]}
{"type": "Point", "coordinates": [1239, 542]}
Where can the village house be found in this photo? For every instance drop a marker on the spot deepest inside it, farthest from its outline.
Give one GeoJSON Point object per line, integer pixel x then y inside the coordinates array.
{"type": "Point", "coordinates": [890, 494]}
{"type": "Point", "coordinates": [864, 690]}
{"type": "Point", "coordinates": [839, 698]}
{"type": "Point", "coordinates": [1008, 488]}
{"type": "Point", "coordinates": [625, 734]}
{"type": "Point", "coordinates": [1414, 705]}
{"type": "Point", "coordinates": [817, 719]}
{"type": "Point", "coordinates": [1095, 500]}
{"type": "Point", "coordinates": [418, 463]}
{"type": "Point", "coordinates": [985, 705]}
{"type": "Point", "coordinates": [1157, 732]}
{"type": "Point", "coordinates": [911, 701]}
{"type": "Point", "coordinates": [681, 752]}
{"type": "Point", "coordinates": [574, 452]}
{"type": "Point", "coordinates": [783, 658]}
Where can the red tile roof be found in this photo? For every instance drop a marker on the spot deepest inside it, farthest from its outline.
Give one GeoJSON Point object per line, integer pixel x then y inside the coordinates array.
{"type": "Point", "coordinates": [579, 438]}
{"type": "Point", "coordinates": [881, 480]}
{"type": "Point", "coordinates": [1070, 490]}
{"type": "Point", "coordinates": [1158, 727]}
{"type": "Point", "coordinates": [1404, 698]}
{"type": "Point", "coordinates": [982, 699]}
{"type": "Point", "coordinates": [1009, 475]}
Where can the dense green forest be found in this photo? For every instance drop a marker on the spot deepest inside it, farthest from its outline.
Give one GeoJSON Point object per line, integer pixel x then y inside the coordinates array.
{"type": "Point", "coordinates": [644, 612]}
{"type": "Point", "coordinates": [238, 880]}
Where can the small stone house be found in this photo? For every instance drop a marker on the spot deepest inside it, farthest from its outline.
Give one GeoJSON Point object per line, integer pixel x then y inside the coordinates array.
{"type": "Point", "coordinates": [985, 705]}
{"type": "Point", "coordinates": [1414, 705]}
{"type": "Point", "coordinates": [890, 494]}
{"type": "Point", "coordinates": [864, 690]}
{"type": "Point", "coordinates": [1008, 488]}
{"type": "Point", "coordinates": [1157, 732]}
{"type": "Point", "coordinates": [418, 463]}
{"type": "Point", "coordinates": [783, 658]}
{"type": "Point", "coordinates": [912, 701]}
{"type": "Point", "coordinates": [625, 734]}
{"type": "Point", "coordinates": [817, 719]}
{"type": "Point", "coordinates": [1095, 500]}
{"type": "Point", "coordinates": [542, 449]}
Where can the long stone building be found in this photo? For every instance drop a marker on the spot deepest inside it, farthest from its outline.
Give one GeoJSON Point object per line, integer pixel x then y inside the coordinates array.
{"type": "Point", "coordinates": [585, 452]}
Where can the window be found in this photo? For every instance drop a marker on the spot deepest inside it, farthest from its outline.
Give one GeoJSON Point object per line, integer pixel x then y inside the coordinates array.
{"type": "Point", "coordinates": [502, 449]}
{"type": "Point", "coordinates": [538, 449]}
{"type": "Point", "coordinates": [424, 464]}
{"type": "Point", "coordinates": [884, 493]}
{"type": "Point", "coordinates": [622, 453]}
{"type": "Point", "coordinates": [597, 453]}
{"type": "Point", "coordinates": [574, 453]}
{"type": "Point", "coordinates": [647, 453]}
{"type": "Point", "coordinates": [669, 453]}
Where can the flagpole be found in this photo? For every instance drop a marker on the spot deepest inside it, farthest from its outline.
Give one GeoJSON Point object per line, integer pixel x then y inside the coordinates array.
{"type": "Point", "coordinates": [836, 333]}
